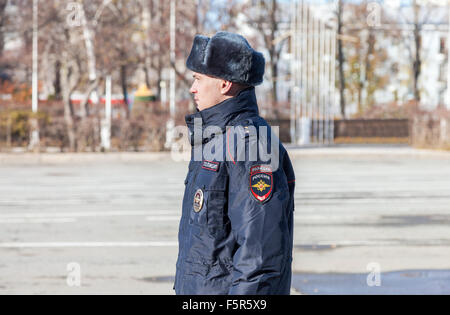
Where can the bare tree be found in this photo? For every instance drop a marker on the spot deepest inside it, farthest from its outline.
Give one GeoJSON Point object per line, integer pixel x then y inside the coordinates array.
{"type": "Point", "coordinates": [420, 15]}
{"type": "Point", "coordinates": [267, 18]}
{"type": "Point", "coordinates": [341, 57]}
{"type": "Point", "coordinates": [363, 56]}
{"type": "Point", "coordinates": [417, 59]}
{"type": "Point", "coordinates": [3, 23]}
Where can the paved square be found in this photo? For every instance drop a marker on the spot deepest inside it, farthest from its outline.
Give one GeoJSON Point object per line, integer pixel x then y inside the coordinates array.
{"type": "Point", "coordinates": [116, 217]}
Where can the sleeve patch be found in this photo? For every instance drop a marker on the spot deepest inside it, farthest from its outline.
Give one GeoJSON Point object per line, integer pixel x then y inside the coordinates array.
{"type": "Point", "coordinates": [261, 182]}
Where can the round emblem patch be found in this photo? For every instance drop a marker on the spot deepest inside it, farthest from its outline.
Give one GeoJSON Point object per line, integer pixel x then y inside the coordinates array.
{"type": "Point", "coordinates": [198, 200]}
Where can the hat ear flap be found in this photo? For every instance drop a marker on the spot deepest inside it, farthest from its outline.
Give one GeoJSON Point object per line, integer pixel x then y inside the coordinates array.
{"type": "Point", "coordinates": [196, 60]}
{"type": "Point", "coordinates": [256, 73]}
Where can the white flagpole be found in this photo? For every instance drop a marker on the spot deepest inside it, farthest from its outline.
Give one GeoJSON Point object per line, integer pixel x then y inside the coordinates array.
{"type": "Point", "coordinates": [304, 73]}
{"type": "Point", "coordinates": [322, 85]}
{"type": "Point", "coordinates": [316, 78]}
{"type": "Point", "coordinates": [106, 122]}
{"type": "Point", "coordinates": [300, 71]}
{"type": "Point", "coordinates": [310, 73]}
{"type": "Point", "coordinates": [34, 141]}
{"type": "Point", "coordinates": [448, 59]}
{"type": "Point", "coordinates": [172, 93]}
{"type": "Point", "coordinates": [172, 57]}
{"type": "Point", "coordinates": [35, 57]}
{"type": "Point", "coordinates": [333, 80]}
{"type": "Point", "coordinates": [327, 85]}
{"type": "Point", "coordinates": [293, 69]}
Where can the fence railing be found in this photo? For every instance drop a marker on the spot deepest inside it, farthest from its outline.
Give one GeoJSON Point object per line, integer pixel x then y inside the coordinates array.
{"type": "Point", "coordinates": [146, 130]}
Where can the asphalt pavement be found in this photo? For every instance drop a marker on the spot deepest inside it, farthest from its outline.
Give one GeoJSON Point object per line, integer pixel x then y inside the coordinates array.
{"type": "Point", "coordinates": [368, 220]}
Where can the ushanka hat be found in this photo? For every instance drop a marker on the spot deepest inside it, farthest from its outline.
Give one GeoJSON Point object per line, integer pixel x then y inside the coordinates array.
{"type": "Point", "coordinates": [227, 56]}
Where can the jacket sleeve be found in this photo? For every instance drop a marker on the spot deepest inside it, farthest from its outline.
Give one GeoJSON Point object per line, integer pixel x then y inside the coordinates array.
{"type": "Point", "coordinates": [261, 232]}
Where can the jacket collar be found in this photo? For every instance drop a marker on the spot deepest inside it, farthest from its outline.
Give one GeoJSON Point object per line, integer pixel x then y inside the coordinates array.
{"type": "Point", "coordinates": [223, 114]}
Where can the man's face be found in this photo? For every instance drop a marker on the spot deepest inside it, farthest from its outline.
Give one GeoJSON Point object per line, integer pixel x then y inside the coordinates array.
{"type": "Point", "coordinates": [206, 90]}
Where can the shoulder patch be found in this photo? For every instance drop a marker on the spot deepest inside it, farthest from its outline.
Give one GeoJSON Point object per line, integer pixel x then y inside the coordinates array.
{"type": "Point", "coordinates": [261, 182]}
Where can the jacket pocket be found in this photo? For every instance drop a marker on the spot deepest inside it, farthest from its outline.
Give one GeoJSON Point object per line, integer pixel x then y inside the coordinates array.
{"type": "Point", "coordinates": [212, 217]}
{"type": "Point", "coordinates": [217, 217]}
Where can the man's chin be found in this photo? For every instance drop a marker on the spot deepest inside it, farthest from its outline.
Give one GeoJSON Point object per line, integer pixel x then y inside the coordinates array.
{"type": "Point", "coordinates": [203, 107]}
{"type": "Point", "coordinates": [200, 108]}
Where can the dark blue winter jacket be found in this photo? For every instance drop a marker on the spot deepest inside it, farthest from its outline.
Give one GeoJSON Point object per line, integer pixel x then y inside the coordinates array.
{"type": "Point", "coordinates": [236, 230]}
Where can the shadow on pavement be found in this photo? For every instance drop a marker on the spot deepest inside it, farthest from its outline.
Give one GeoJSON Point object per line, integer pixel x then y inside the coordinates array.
{"type": "Point", "coordinates": [415, 282]}
{"type": "Point", "coordinates": [427, 282]}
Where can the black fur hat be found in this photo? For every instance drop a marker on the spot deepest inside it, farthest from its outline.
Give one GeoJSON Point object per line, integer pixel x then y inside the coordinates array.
{"type": "Point", "coordinates": [227, 56]}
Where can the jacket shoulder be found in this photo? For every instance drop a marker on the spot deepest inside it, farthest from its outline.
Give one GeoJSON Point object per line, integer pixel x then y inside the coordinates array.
{"type": "Point", "coordinates": [249, 128]}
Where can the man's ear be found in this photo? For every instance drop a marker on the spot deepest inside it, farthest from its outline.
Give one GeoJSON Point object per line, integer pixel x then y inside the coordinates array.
{"type": "Point", "coordinates": [225, 87]}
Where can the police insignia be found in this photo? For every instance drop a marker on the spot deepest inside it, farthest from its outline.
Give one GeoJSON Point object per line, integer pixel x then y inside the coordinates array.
{"type": "Point", "coordinates": [198, 200]}
{"type": "Point", "coordinates": [261, 182]}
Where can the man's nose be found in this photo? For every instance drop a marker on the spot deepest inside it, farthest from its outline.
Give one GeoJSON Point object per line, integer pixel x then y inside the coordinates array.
{"type": "Point", "coordinates": [193, 90]}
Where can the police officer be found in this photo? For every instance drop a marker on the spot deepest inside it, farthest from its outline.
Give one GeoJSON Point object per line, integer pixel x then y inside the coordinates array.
{"type": "Point", "coordinates": [236, 228]}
